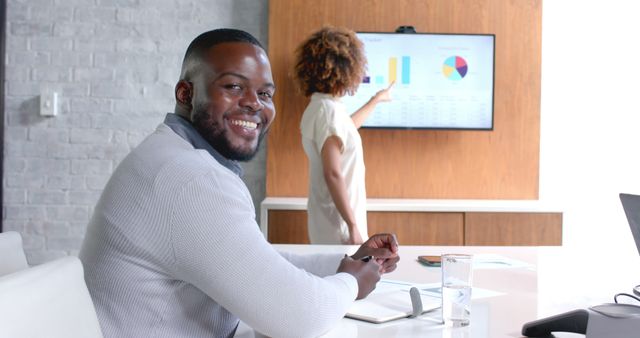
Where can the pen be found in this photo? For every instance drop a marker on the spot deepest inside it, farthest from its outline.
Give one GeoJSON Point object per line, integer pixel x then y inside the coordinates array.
{"type": "Point", "coordinates": [366, 258]}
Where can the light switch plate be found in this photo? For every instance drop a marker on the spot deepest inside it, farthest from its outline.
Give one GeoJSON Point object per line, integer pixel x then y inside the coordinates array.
{"type": "Point", "coordinates": [48, 101]}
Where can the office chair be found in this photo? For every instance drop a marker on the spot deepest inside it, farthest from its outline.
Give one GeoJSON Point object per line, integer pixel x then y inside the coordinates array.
{"type": "Point", "coordinates": [49, 300]}
{"type": "Point", "coordinates": [12, 253]}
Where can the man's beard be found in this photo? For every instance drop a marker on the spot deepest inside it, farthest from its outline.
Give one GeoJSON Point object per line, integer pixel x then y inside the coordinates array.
{"type": "Point", "coordinates": [213, 133]}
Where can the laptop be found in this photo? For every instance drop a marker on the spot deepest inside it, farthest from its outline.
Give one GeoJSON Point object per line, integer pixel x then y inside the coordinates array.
{"type": "Point", "coordinates": [631, 206]}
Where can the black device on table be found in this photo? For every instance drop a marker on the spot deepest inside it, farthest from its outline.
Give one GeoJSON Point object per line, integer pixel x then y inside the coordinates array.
{"type": "Point", "coordinates": [430, 260]}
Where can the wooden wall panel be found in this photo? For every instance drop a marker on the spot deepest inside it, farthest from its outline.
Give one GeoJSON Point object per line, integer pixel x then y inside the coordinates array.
{"type": "Point", "coordinates": [486, 228]}
{"type": "Point", "coordinates": [288, 227]}
{"type": "Point", "coordinates": [500, 164]}
{"type": "Point", "coordinates": [419, 228]}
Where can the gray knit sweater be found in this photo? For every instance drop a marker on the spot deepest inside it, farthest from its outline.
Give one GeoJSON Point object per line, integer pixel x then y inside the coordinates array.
{"type": "Point", "coordinates": [173, 250]}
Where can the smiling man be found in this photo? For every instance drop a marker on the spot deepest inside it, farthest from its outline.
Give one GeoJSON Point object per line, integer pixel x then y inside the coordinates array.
{"type": "Point", "coordinates": [231, 107]}
{"type": "Point", "coordinates": [173, 249]}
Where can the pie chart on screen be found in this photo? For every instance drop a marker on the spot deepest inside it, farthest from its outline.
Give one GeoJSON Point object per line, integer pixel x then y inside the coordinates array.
{"type": "Point", "coordinates": [455, 68]}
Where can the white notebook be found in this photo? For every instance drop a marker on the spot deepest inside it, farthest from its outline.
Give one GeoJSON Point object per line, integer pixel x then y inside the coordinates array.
{"type": "Point", "coordinates": [390, 300]}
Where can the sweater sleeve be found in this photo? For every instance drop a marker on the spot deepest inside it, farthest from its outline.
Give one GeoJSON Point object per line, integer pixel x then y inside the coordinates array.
{"type": "Point", "coordinates": [219, 249]}
{"type": "Point", "coordinates": [318, 264]}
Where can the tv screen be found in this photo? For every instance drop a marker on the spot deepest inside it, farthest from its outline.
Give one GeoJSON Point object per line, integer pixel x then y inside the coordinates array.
{"type": "Point", "coordinates": [443, 81]}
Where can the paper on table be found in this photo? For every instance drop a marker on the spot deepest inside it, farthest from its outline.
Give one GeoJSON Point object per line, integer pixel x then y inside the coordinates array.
{"type": "Point", "coordinates": [434, 290]}
{"type": "Point", "coordinates": [494, 261]}
{"type": "Point", "coordinates": [390, 300]}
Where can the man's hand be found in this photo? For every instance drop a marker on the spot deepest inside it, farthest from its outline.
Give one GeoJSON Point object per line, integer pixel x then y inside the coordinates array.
{"type": "Point", "coordinates": [366, 273]}
{"type": "Point", "coordinates": [384, 247]}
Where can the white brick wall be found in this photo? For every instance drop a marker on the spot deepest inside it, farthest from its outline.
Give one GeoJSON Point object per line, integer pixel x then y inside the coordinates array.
{"type": "Point", "coordinates": [115, 64]}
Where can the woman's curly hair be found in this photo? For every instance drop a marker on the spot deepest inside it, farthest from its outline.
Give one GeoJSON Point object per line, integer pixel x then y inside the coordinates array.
{"type": "Point", "coordinates": [331, 61]}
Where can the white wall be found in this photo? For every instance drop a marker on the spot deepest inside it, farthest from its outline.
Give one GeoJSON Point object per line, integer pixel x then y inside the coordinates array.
{"type": "Point", "coordinates": [590, 132]}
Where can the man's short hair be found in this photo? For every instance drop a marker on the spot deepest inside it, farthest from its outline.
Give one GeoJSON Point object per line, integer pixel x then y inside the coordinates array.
{"type": "Point", "coordinates": [201, 44]}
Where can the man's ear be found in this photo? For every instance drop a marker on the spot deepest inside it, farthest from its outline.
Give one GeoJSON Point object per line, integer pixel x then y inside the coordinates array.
{"type": "Point", "coordinates": [184, 93]}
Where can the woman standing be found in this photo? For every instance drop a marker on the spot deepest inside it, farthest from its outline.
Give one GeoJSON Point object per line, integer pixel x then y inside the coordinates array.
{"type": "Point", "coordinates": [330, 64]}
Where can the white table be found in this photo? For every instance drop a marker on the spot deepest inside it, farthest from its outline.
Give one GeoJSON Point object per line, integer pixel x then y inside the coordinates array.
{"type": "Point", "coordinates": [557, 281]}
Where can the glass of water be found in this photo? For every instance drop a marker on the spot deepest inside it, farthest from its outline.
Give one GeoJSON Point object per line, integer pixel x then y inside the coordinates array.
{"type": "Point", "coordinates": [457, 274]}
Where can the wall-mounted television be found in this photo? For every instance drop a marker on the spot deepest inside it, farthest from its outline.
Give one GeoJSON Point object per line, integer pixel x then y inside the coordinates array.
{"type": "Point", "coordinates": [443, 81]}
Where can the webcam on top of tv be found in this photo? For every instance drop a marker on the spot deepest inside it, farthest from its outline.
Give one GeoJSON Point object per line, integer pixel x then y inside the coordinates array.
{"type": "Point", "coordinates": [405, 29]}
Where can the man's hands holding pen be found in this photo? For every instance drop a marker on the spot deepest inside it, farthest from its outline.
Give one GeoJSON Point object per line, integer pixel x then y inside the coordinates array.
{"type": "Point", "coordinates": [378, 255]}
{"type": "Point", "coordinates": [366, 273]}
{"type": "Point", "coordinates": [384, 248]}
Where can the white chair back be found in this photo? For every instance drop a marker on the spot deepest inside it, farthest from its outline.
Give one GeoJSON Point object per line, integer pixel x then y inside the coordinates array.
{"type": "Point", "coordinates": [49, 300]}
{"type": "Point", "coordinates": [12, 256]}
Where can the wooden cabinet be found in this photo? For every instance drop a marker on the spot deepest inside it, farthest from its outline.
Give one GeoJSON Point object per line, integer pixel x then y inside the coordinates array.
{"type": "Point", "coordinates": [288, 227]}
{"type": "Point", "coordinates": [437, 228]}
{"type": "Point", "coordinates": [508, 228]}
{"type": "Point", "coordinates": [419, 228]}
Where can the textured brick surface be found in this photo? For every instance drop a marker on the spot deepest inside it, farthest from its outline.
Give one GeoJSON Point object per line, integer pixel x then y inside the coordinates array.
{"type": "Point", "coordinates": [114, 64]}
